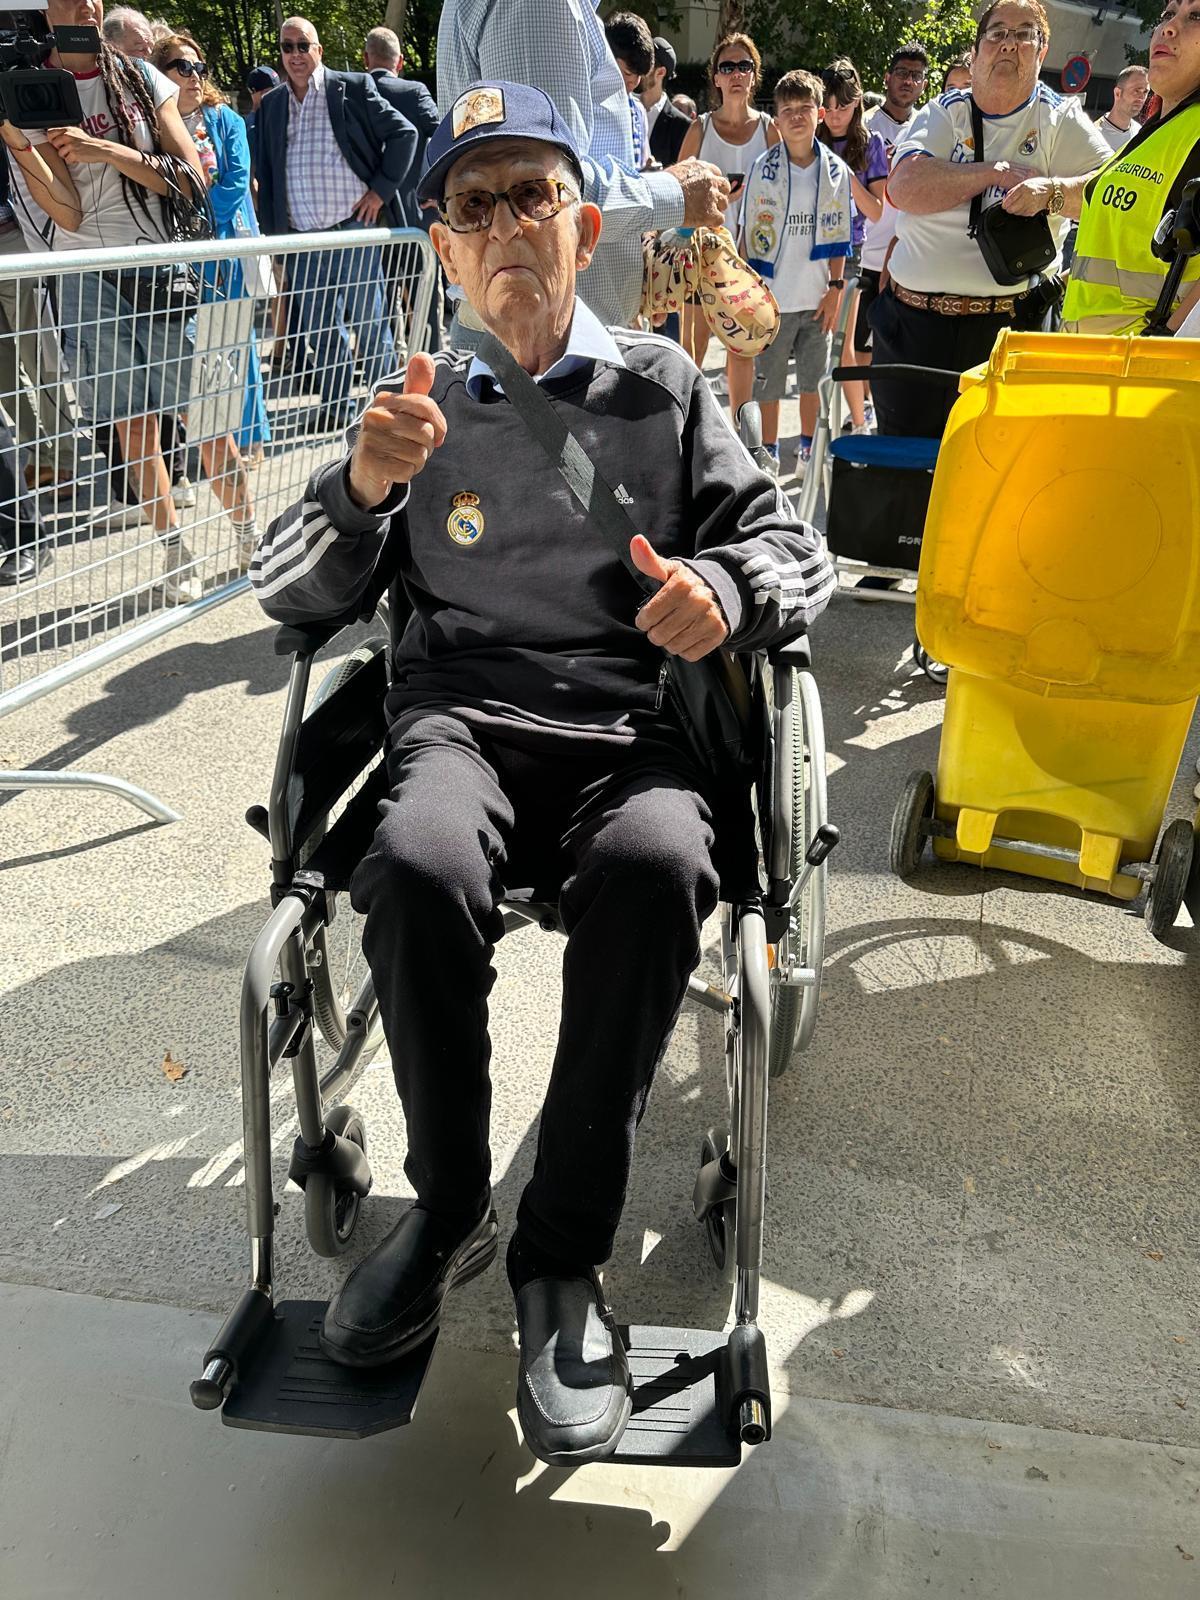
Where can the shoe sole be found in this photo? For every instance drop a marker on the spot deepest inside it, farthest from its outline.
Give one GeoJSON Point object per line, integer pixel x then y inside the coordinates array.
{"type": "Point", "coordinates": [574, 1458]}
{"type": "Point", "coordinates": [476, 1260]}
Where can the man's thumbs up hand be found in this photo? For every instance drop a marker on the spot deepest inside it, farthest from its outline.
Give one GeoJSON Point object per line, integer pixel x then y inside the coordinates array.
{"type": "Point", "coordinates": [685, 616]}
{"type": "Point", "coordinates": [398, 434]}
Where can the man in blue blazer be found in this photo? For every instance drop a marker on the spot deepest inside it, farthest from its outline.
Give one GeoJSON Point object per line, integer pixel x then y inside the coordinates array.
{"type": "Point", "coordinates": [332, 153]}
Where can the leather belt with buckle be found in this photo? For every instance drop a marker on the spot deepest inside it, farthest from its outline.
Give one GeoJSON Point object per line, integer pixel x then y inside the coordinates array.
{"type": "Point", "coordinates": [956, 305]}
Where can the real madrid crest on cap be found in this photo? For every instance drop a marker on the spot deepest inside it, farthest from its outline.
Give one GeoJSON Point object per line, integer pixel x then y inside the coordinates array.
{"type": "Point", "coordinates": [465, 522]}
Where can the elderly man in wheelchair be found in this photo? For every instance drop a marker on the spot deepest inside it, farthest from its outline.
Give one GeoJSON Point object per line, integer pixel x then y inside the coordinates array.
{"type": "Point", "coordinates": [530, 741]}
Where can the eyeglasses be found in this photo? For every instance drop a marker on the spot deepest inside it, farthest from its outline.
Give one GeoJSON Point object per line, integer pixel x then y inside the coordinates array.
{"type": "Point", "coordinates": [286, 46]}
{"type": "Point", "coordinates": [1023, 37]}
{"type": "Point", "coordinates": [728, 68]}
{"type": "Point", "coordinates": [535, 199]}
{"type": "Point", "coordinates": [189, 69]}
{"type": "Point", "coordinates": [908, 74]}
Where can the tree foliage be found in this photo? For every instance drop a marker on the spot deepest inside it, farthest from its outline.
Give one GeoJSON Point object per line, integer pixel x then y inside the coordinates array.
{"type": "Point", "coordinates": [811, 33]}
{"type": "Point", "coordinates": [237, 34]}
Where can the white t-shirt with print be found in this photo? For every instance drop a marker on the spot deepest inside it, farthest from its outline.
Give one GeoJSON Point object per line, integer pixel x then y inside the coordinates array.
{"type": "Point", "coordinates": [800, 282]}
{"type": "Point", "coordinates": [108, 217]}
{"type": "Point", "coordinates": [1048, 133]}
{"type": "Point", "coordinates": [880, 234]}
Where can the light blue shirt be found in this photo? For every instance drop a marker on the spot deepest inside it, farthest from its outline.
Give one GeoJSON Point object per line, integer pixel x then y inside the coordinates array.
{"type": "Point", "coordinates": [588, 340]}
{"type": "Point", "coordinates": [559, 46]}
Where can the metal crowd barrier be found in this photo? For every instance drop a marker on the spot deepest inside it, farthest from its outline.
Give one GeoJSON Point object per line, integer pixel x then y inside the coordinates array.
{"type": "Point", "coordinates": [157, 406]}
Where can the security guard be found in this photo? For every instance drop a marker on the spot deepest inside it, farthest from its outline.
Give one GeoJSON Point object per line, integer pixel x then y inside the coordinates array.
{"type": "Point", "coordinates": [1115, 279]}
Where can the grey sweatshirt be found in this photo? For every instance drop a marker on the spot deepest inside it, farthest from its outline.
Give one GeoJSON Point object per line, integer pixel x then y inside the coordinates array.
{"type": "Point", "coordinates": [514, 611]}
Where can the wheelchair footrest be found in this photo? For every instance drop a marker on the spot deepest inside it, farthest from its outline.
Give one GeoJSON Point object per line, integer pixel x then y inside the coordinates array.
{"type": "Point", "coordinates": [678, 1407]}
{"type": "Point", "coordinates": [293, 1387]}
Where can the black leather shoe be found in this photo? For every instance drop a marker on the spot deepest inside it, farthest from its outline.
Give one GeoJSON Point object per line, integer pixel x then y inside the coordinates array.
{"type": "Point", "coordinates": [574, 1394]}
{"type": "Point", "coordinates": [392, 1300]}
{"type": "Point", "coordinates": [21, 565]}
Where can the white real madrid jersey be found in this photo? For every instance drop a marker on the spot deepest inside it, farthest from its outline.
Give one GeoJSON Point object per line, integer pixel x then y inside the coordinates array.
{"type": "Point", "coordinates": [1048, 133]}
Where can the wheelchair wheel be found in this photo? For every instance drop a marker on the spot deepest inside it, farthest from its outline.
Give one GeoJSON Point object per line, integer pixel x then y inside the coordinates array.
{"type": "Point", "coordinates": [794, 1009]}
{"type": "Point", "coordinates": [330, 1213]}
{"type": "Point", "coordinates": [1172, 867]}
{"type": "Point", "coordinates": [338, 966]}
{"type": "Point", "coordinates": [936, 671]}
{"type": "Point", "coordinates": [720, 1225]}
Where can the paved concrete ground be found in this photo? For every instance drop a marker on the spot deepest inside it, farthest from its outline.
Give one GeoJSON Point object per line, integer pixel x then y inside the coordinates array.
{"type": "Point", "coordinates": [982, 1179]}
{"type": "Point", "coordinates": [112, 1488]}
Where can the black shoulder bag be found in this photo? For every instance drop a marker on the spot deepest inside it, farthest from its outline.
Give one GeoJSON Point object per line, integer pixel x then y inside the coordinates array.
{"type": "Point", "coordinates": [1014, 248]}
{"type": "Point", "coordinates": [711, 697]}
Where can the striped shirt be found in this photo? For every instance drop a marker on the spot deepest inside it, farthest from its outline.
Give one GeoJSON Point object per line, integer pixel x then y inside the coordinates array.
{"type": "Point", "coordinates": [321, 188]}
{"type": "Point", "coordinates": [559, 46]}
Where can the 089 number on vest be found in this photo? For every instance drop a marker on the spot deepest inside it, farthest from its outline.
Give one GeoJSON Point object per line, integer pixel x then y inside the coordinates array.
{"type": "Point", "coordinates": [1124, 199]}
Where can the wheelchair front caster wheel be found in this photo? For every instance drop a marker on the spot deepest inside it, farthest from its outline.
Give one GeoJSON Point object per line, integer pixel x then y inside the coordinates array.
{"type": "Point", "coordinates": [720, 1224]}
{"type": "Point", "coordinates": [936, 671]}
{"type": "Point", "coordinates": [914, 811]}
{"type": "Point", "coordinates": [331, 1212]}
{"type": "Point", "coordinates": [1172, 865]}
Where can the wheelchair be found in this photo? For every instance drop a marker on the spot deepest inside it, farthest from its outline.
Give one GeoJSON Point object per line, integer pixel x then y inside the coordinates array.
{"type": "Point", "coordinates": [699, 1395]}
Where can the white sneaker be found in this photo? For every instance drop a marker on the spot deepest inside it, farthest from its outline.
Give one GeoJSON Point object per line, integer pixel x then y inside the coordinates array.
{"type": "Point", "coordinates": [181, 582]}
{"type": "Point", "coordinates": [184, 494]}
{"type": "Point", "coordinates": [117, 517]}
{"type": "Point", "coordinates": [860, 428]}
{"type": "Point", "coordinates": [803, 457]}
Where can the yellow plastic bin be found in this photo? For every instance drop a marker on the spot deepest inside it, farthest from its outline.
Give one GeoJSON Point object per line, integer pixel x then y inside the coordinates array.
{"type": "Point", "coordinates": [1060, 582]}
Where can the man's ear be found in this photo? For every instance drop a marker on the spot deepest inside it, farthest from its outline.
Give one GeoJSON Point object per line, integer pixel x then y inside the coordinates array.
{"type": "Point", "coordinates": [443, 242]}
{"type": "Point", "coordinates": [590, 224]}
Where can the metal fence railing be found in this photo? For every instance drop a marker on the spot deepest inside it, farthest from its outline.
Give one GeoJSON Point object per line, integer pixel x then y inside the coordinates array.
{"type": "Point", "coordinates": [158, 407]}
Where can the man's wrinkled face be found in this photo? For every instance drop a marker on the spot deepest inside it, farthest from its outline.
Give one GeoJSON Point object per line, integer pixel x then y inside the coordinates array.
{"type": "Point", "coordinates": [1129, 97]}
{"type": "Point", "coordinates": [518, 274]}
{"type": "Point", "coordinates": [1006, 70]}
{"type": "Point", "coordinates": [301, 52]}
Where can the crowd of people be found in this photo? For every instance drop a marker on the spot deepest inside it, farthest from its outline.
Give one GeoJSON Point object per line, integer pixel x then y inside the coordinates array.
{"type": "Point", "coordinates": [834, 193]}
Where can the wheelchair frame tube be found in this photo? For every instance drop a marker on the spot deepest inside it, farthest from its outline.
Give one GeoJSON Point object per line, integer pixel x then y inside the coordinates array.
{"type": "Point", "coordinates": [754, 1032]}
{"type": "Point", "coordinates": [256, 1044]}
{"type": "Point", "coordinates": [779, 867]}
{"type": "Point", "coordinates": [293, 715]}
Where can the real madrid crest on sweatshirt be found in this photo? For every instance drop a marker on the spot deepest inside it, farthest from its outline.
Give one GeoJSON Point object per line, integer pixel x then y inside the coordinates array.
{"type": "Point", "coordinates": [510, 608]}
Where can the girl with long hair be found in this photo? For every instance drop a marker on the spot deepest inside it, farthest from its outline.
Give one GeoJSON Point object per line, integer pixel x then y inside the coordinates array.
{"type": "Point", "coordinates": [865, 153]}
{"type": "Point", "coordinates": [732, 135]}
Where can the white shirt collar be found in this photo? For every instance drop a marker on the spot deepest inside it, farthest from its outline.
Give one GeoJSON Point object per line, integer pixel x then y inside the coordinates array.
{"type": "Point", "coordinates": [588, 340]}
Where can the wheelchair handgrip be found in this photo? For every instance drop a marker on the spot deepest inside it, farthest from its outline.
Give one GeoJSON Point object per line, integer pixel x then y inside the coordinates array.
{"type": "Point", "coordinates": [827, 836]}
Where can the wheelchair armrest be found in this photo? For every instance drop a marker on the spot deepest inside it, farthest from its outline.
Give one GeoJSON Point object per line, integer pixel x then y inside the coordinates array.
{"type": "Point", "coordinates": [794, 653]}
{"type": "Point", "coordinates": [305, 638]}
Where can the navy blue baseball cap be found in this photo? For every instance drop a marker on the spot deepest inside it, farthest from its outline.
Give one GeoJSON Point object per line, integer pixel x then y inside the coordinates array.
{"type": "Point", "coordinates": [494, 110]}
{"type": "Point", "coordinates": [262, 78]}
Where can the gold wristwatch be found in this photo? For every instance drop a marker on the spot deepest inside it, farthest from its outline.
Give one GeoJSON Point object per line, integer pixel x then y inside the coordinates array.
{"type": "Point", "coordinates": [1057, 199]}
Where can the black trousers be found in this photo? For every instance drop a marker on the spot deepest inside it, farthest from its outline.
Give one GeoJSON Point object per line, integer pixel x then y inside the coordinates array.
{"type": "Point", "coordinates": [923, 339]}
{"type": "Point", "coordinates": [624, 840]}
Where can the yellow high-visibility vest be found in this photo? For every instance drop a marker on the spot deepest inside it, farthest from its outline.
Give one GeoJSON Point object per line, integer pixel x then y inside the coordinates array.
{"type": "Point", "coordinates": [1115, 279]}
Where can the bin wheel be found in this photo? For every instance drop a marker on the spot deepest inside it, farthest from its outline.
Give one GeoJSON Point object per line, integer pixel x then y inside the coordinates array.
{"type": "Point", "coordinates": [1172, 865]}
{"type": "Point", "coordinates": [935, 671]}
{"type": "Point", "coordinates": [331, 1213]}
{"type": "Point", "coordinates": [720, 1225]}
{"type": "Point", "coordinates": [915, 806]}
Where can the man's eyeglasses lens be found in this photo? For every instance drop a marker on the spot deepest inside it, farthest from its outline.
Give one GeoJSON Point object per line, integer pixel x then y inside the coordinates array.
{"type": "Point", "coordinates": [189, 69]}
{"type": "Point", "coordinates": [909, 74]}
{"type": "Point", "coordinates": [536, 199]}
{"type": "Point", "coordinates": [728, 68]}
{"type": "Point", "coordinates": [1021, 36]}
{"type": "Point", "coordinates": [303, 45]}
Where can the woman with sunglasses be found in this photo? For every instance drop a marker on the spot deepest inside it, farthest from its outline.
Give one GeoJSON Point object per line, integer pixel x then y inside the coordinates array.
{"type": "Point", "coordinates": [1115, 277]}
{"type": "Point", "coordinates": [864, 152]}
{"type": "Point", "coordinates": [224, 151]}
{"type": "Point", "coordinates": [732, 136]}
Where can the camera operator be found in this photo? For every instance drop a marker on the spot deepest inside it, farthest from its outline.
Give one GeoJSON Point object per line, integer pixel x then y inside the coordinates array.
{"type": "Point", "coordinates": [138, 177]}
